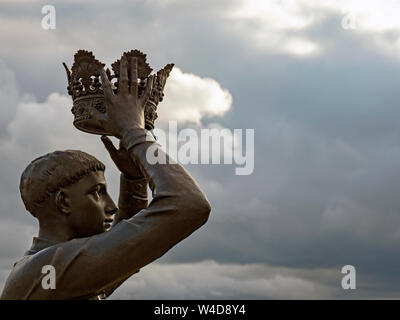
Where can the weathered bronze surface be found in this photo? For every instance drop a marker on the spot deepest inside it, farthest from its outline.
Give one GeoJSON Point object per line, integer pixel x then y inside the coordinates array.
{"type": "Point", "coordinates": [87, 93]}
{"type": "Point", "coordinates": [93, 245]}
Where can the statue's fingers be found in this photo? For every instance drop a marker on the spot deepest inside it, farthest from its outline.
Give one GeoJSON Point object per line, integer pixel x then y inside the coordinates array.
{"type": "Point", "coordinates": [109, 146]}
{"type": "Point", "coordinates": [123, 85]}
{"type": "Point", "coordinates": [106, 85]}
{"type": "Point", "coordinates": [134, 76]}
{"type": "Point", "coordinates": [149, 89]}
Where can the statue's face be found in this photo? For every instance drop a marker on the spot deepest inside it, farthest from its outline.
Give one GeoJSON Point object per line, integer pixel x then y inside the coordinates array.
{"type": "Point", "coordinates": [91, 207]}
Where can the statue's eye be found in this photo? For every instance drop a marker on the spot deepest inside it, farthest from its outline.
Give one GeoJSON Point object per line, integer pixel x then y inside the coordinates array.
{"type": "Point", "coordinates": [96, 193]}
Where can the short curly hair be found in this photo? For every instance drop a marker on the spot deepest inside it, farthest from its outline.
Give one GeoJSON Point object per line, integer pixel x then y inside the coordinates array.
{"type": "Point", "coordinates": [50, 172]}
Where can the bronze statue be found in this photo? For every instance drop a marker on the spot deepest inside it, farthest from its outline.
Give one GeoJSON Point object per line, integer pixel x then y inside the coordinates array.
{"type": "Point", "coordinates": [91, 251]}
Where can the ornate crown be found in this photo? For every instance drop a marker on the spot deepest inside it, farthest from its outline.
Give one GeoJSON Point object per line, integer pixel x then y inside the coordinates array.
{"type": "Point", "coordinates": [85, 88]}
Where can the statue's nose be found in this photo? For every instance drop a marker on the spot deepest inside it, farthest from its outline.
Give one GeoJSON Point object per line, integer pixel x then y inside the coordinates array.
{"type": "Point", "coordinates": [111, 208]}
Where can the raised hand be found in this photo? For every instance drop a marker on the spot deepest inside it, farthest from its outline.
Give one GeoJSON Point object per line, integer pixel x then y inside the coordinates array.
{"type": "Point", "coordinates": [125, 109]}
{"type": "Point", "coordinates": [122, 160]}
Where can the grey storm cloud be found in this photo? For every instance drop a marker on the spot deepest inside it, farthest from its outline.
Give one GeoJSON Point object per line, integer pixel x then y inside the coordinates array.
{"type": "Point", "coordinates": [324, 192]}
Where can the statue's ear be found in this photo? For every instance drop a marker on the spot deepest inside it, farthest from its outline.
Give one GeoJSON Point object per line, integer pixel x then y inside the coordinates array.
{"type": "Point", "coordinates": [62, 202]}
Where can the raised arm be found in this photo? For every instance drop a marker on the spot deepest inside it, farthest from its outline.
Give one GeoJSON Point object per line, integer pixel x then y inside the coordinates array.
{"type": "Point", "coordinates": [178, 207]}
{"type": "Point", "coordinates": [177, 199]}
{"type": "Point", "coordinates": [133, 183]}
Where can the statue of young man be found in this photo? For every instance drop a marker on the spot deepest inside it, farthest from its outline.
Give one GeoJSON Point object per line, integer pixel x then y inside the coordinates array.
{"type": "Point", "coordinates": [66, 191]}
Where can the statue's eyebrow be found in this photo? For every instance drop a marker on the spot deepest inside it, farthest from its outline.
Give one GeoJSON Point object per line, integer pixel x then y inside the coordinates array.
{"type": "Point", "coordinates": [101, 184]}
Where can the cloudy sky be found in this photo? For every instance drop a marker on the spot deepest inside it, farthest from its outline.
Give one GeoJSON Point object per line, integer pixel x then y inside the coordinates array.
{"type": "Point", "coordinates": [318, 81]}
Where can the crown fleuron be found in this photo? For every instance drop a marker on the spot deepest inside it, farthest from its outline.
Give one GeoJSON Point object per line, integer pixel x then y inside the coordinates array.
{"type": "Point", "coordinates": [85, 88]}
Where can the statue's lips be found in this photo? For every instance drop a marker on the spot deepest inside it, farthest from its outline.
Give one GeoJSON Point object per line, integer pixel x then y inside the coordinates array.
{"type": "Point", "coordinates": [108, 222]}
